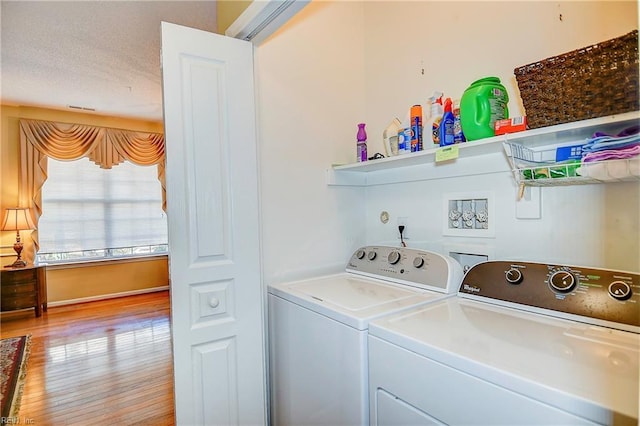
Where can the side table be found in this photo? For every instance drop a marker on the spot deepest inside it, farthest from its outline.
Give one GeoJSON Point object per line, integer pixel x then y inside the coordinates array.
{"type": "Point", "coordinates": [23, 288]}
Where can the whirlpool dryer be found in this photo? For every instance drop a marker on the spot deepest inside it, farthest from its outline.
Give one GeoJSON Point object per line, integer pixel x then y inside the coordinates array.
{"type": "Point", "coordinates": [525, 343]}
{"type": "Point", "coordinates": [318, 330]}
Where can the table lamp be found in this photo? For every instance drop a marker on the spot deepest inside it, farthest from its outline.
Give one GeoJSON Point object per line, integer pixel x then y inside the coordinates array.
{"type": "Point", "coordinates": [18, 219]}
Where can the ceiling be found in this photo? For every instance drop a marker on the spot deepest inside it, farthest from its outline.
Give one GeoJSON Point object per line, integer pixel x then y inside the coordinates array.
{"type": "Point", "coordinates": [90, 54]}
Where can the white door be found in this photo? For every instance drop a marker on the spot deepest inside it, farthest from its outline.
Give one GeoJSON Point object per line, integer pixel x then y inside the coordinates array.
{"type": "Point", "coordinates": [214, 246]}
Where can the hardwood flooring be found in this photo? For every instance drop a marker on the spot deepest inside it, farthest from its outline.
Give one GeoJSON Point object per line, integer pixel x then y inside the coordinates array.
{"type": "Point", "coordinates": [105, 362]}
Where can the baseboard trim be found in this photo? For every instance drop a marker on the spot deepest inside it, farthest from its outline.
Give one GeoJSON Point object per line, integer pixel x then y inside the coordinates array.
{"type": "Point", "coordinates": [107, 296]}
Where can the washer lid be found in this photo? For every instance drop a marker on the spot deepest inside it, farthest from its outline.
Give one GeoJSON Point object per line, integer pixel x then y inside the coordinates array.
{"type": "Point", "coordinates": [588, 370]}
{"type": "Point", "coordinates": [351, 299]}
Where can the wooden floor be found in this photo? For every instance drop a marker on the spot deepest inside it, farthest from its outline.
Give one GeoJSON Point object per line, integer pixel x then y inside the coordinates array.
{"type": "Point", "coordinates": [106, 362]}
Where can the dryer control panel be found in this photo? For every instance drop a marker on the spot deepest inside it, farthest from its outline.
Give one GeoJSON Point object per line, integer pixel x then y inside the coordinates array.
{"type": "Point", "coordinates": [418, 268]}
{"type": "Point", "coordinates": [596, 296]}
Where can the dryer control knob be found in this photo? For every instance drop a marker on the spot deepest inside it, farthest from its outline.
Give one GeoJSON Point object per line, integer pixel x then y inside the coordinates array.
{"type": "Point", "coordinates": [394, 257]}
{"type": "Point", "coordinates": [360, 254]}
{"type": "Point", "coordinates": [620, 290]}
{"type": "Point", "coordinates": [563, 281]}
{"type": "Point", "coordinates": [418, 262]}
{"type": "Point", "coordinates": [372, 255]}
{"type": "Point", "coordinates": [513, 276]}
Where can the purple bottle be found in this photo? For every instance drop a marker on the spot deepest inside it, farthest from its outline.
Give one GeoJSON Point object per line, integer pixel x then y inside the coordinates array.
{"type": "Point", "coordinates": [362, 143]}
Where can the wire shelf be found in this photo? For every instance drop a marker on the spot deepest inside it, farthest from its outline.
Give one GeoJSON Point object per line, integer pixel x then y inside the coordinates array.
{"type": "Point", "coordinates": [540, 167]}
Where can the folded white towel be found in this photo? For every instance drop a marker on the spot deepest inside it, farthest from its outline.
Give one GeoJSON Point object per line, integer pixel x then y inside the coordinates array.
{"type": "Point", "coordinates": [611, 170]}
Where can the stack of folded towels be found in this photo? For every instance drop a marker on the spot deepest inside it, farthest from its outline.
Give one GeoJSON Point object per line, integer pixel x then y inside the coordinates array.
{"type": "Point", "coordinates": [607, 157]}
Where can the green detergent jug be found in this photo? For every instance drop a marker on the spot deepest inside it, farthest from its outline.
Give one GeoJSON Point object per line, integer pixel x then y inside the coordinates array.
{"type": "Point", "coordinates": [484, 102]}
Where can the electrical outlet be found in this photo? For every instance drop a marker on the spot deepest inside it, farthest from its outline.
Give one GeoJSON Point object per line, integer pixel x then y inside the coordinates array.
{"type": "Point", "coordinates": [403, 221]}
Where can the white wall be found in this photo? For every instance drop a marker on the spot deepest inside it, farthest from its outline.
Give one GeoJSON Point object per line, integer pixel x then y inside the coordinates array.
{"type": "Point", "coordinates": [590, 225]}
{"type": "Point", "coordinates": [311, 96]}
{"type": "Point", "coordinates": [459, 42]}
{"type": "Point", "coordinates": [339, 63]}
{"type": "Point", "coordinates": [595, 225]}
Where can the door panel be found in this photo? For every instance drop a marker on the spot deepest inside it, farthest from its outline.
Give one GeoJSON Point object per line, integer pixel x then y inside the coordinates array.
{"type": "Point", "coordinates": [211, 199]}
{"type": "Point", "coordinates": [214, 247]}
{"type": "Point", "coordinates": [215, 365]}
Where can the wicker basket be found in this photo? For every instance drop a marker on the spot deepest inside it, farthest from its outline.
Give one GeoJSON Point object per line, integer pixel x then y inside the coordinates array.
{"type": "Point", "coordinates": [591, 82]}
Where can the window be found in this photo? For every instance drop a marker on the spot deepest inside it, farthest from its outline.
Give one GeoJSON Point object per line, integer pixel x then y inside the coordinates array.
{"type": "Point", "coordinates": [89, 213]}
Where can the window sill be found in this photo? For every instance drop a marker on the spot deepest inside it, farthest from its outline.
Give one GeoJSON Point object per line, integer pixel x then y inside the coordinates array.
{"type": "Point", "coordinates": [102, 262]}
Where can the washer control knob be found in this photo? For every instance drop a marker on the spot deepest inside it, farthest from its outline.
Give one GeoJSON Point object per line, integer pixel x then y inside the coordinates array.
{"type": "Point", "coordinates": [360, 254]}
{"type": "Point", "coordinates": [620, 290]}
{"type": "Point", "coordinates": [372, 255]}
{"type": "Point", "coordinates": [394, 257]}
{"type": "Point", "coordinates": [418, 262]}
{"type": "Point", "coordinates": [513, 276]}
{"type": "Point", "coordinates": [563, 281]}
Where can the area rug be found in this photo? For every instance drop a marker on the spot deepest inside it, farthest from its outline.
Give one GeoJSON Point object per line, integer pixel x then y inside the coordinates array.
{"type": "Point", "coordinates": [14, 353]}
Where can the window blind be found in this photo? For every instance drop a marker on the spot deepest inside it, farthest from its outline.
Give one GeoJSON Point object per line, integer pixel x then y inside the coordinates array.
{"type": "Point", "coordinates": [89, 212]}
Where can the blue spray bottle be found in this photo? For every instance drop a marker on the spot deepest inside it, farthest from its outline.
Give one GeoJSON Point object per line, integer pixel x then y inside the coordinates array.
{"type": "Point", "coordinates": [446, 125]}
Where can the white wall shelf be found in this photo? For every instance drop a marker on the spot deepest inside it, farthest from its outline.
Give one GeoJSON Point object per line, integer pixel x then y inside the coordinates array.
{"type": "Point", "coordinates": [422, 166]}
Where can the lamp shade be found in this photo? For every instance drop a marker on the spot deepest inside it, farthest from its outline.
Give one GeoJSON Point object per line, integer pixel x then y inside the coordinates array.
{"type": "Point", "coordinates": [17, 219]}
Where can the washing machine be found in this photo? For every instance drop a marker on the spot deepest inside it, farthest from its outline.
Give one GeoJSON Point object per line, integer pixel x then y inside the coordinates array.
{"type": "Point", "coordinates": [524, 344]}
{"type": "Point", "coordinates": [318, 330]}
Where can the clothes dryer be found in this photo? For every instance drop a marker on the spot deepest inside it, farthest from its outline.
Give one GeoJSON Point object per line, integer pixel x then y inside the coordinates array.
{"type": "Point", "coordinates": [318, 330]}
{"type": "Point", "coordinates": [525, 343]}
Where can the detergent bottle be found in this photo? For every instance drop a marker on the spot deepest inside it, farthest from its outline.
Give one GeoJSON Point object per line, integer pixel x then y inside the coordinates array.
{"type": "Point", "coordinates": [484, 102]}
{"type": "Point", "coordinates": [458, 134]}
{"type": "Point", "coordinates": [390, 137]}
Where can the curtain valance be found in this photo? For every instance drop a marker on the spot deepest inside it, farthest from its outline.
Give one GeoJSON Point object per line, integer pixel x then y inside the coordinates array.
{"type": "Point", "coordinates": [104, 146]}
{"type": "Point", "coordinates": [107, 147]}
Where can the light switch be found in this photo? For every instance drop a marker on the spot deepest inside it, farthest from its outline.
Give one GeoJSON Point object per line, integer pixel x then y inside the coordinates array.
{"type": "Point", "coordinates": [530, 205]}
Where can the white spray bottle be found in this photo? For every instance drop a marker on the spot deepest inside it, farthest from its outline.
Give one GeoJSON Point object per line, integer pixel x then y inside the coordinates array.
{"type": "Point", "coordinates": [433, 124]}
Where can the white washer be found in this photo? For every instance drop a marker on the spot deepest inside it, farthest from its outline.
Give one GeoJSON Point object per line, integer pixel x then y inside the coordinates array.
{"type": "Point", "coordinates": [525, 343]}
{"type": "Point", "coordinates": [318, 330]}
